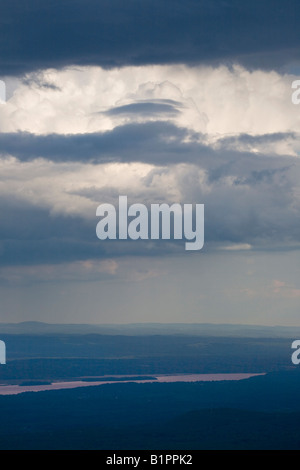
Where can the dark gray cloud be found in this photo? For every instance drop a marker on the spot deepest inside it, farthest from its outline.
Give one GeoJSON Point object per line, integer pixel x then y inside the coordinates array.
{"type": "Point", "coordinates": [33, 236]}
{"type": "Point", "coordinates": [109, 33]}
{"type": "Point", "coordinates": [132, 142]}
{"type": "Point", "coordinates": [249, 198]}
{"type": "Point", "coordinates": [159, 143]}
{"type": "Point", "coordinates": [144, 109]}
{"type": "Point", "coordinates": [255, 139]}
{"type": "Point", "coordinates": [36, 79]}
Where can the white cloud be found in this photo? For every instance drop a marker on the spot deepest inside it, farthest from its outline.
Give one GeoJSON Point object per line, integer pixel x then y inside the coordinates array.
{"type": "Point", "coordinates": [216, 101]}
{"type": "Point", "coordinates": [78, 188]}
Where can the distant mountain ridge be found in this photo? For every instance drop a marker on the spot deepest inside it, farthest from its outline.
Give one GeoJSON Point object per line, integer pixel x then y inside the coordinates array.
{"type": "Point", "coordinates": [145, 329]}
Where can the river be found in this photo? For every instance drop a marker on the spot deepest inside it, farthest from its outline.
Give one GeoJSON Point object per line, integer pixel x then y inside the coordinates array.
{"type": "Point", "coordinates": [17, 389]}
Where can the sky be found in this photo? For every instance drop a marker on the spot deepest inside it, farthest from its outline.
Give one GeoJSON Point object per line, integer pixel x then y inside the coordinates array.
{"type": "Point", "coordinates": [164, 101]}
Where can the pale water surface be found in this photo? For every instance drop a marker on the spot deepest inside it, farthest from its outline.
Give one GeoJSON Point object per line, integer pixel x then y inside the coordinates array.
{"type": "Point", "coordinates": [17, 389]}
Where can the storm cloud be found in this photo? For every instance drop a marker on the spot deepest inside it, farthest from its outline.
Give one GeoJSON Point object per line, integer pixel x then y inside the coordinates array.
{"type": "Point", "coordinates": [158, 143]}
{"type": "Point", "coordinates": [113, 33]}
